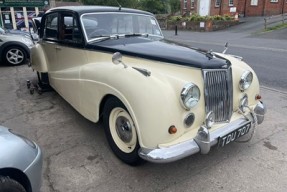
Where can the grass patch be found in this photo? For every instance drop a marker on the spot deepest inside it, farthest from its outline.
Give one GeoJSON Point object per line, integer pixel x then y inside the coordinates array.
{"type": "Point", "coordinates": [280, 26]}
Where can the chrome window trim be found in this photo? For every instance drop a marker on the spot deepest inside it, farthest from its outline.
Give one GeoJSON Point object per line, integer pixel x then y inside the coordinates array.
{"type": "Point", "coordinates": [124, 13]}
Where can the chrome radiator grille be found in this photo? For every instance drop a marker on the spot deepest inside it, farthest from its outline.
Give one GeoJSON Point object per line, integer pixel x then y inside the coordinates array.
{"type": "Point", "coordinates": [218, 93]}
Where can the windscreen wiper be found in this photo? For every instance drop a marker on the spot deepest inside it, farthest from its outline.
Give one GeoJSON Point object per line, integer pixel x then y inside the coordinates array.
{"type": "Point", "coordinates": [100, 38]}
{"type": "Point", "coordinates": [137, 35]}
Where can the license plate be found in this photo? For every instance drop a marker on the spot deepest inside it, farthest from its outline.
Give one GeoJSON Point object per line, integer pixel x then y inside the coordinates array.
{"type": "Point", "coordinates": [232, 136]}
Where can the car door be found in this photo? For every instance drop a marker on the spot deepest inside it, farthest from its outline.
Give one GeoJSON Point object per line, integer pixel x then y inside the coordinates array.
{"type": "Point", "coordinates": [49, 40]}
{"type": "Point", "coordinates": [68, 57]}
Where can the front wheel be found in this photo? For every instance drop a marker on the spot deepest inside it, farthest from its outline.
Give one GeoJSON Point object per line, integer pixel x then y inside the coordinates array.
{"type": "Point", "coordinates": [9, 185]}
{"type": "Point", "coordinates": [121, 132]}
{"type": "Point", "coordinates": [15, 55]}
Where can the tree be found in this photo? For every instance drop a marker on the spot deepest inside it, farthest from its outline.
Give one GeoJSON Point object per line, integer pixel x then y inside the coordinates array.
{"type": "Point", "coordinates": [154, 6]}
{"type": "Point", "coordinates": [123, 3]}
{"type": "Point", "coordinates": [174, 6]}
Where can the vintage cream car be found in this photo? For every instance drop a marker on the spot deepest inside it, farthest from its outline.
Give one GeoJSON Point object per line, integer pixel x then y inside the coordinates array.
{"type": "Point", "coordinates": [159, 101]}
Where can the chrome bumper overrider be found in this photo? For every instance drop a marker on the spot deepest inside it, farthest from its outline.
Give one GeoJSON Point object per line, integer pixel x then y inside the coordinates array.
{"type": "Point", "coordinates": [204, 139]}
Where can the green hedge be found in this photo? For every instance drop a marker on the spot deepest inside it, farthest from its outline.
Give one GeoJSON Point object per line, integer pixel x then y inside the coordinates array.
{"type": "Point", "coordinates": [196, 17]}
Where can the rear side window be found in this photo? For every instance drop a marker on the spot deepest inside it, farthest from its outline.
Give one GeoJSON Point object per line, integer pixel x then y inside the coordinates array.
{"type": "Point", "coordinates": [51, 27]}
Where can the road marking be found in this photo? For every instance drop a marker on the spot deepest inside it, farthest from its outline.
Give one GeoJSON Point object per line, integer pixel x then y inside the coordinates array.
{"type": "Point", "coordinates": [232, 45]}
{"type": "Point", "coordinates": [275, 90]}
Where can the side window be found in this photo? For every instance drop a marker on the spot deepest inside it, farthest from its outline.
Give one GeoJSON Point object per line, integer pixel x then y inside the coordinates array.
{"type": "Point", "coordinates": [51, 27]}
{"type": "Point", "coordinates": [70, 29]}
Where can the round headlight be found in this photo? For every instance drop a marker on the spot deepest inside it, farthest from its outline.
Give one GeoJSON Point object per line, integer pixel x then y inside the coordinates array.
{"type": "Point", "coordinates": [189, 96]}
{"type": "Point", "coordinates": [245, 80]}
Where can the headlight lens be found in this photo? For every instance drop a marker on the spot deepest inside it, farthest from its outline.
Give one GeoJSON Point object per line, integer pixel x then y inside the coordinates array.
{"type": "Point", "coordinates": [245, 80]}
{"type": "Point", "coordinates": [189, 96]}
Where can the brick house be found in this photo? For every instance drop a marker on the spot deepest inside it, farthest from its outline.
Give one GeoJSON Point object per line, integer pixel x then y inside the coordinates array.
{"type": "Point", "coordinates": [242, 7]}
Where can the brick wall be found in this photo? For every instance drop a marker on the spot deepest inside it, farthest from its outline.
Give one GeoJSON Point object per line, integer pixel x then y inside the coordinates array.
{"type": "Point", "coordinates": [213, 9]}
{"type": "Point", "coordinates": [241, 6]}
{"type": "Point", "coordinates": [244, 7]}
{"type": "Point", "coordinates": [222, 9]}
{"type": "Point", "coordinates": [274, 8]}
{"type": "Point", "coordinates": [188, 10]}
{"type": "Point", "coordinates": [254, 10]}
{"type": "Point", "coordinates": [265, 8]}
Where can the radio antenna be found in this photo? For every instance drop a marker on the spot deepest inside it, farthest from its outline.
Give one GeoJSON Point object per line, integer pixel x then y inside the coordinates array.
{"type": "Point", "coordinates": [120, 7]}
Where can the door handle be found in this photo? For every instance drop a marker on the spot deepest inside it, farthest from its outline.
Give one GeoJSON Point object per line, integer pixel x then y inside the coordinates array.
{"type": "Point", "coordinates": [58, 48]}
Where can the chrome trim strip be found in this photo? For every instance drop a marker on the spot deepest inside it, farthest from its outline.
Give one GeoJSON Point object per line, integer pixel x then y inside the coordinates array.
{"type": "Point", "coordinates": [114, 12]}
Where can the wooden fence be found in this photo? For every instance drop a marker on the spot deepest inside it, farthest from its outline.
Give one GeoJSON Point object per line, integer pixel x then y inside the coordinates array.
{"type": "Point", "coordinates": [276, 19]}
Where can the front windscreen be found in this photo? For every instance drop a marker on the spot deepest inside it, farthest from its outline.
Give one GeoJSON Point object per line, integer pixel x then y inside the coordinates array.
{"type": "Point", "coordinates": [97, 25]}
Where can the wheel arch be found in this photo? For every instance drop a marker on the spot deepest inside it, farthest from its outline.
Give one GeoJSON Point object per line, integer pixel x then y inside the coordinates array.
{"type": "Point", "coordinates": [128, 107]}
{"type": "Point", "coordinates": [18, 176]}
{"type": "Point", "coordinates": [15, 43]}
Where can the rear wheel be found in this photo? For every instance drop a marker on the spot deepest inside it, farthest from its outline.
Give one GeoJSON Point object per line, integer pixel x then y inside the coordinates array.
{"type": "Point", "coordinates": [10, 185]}
{"type": "Point", "coordinates": [121, 132]}
{"type": "Point", "coordinates": [15, 55]}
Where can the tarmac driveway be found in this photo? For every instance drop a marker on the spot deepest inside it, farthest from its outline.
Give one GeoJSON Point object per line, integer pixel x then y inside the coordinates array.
{"type": "Point", "coordinates": [77, 157]}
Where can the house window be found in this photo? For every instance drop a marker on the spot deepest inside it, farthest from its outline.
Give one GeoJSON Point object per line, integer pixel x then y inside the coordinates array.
{"type": "Point", "coordinates": [274, 1]}
{"type": "Point", "coordinates": [217, 3]}
{"type": "Point", "coordinates": [184, 4]}
{"type": "Point", "coordinates": [192, 3]}
{"type": "Point", "coordinates": [254, 2]}
{"type": "Point", "coordinates": [231, 2]}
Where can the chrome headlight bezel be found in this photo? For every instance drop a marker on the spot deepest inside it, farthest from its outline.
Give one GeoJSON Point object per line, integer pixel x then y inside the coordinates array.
{"type": "Point", "coordinates": [245, 80]}
{"type": "Point", "coordinates": [189, 96]}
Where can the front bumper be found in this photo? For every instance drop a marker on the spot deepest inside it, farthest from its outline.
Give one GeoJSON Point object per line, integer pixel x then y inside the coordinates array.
{"type": "Point", "coordinates": [204, 139]}
{"type": "Point", "coordinates": [34, 170]}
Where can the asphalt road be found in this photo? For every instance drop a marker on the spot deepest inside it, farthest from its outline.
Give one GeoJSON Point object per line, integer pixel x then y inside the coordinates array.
{"type": "Point", "coordinates": [265, 52]}
{"type": "Point", "coordinates": [77, 157]}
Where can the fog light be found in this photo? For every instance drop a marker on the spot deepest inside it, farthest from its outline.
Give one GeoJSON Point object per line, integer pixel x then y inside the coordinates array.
{"type": "Point", "coordinates": [209, 120]}
{"type": "Point", "coordinates": [172, 129]}
{"type": "Point", "coordinates": [189, 119]}
{"type": "Point", "coordinates": [243, 103]}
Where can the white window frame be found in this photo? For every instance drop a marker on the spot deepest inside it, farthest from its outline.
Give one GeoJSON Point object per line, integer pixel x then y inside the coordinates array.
{"type": "Point", "coordinates": [254, 2]}
{"type": "Point", "coordinates": [231, 2]}
{"type": "Point", "coordinates": [192, 4]}
{"type": "Point", "coordinates": [273, 1]}
{"type": "Point", "coordinates": [217, 3]}
{"type": "Point", "coordinates": [184, 4]}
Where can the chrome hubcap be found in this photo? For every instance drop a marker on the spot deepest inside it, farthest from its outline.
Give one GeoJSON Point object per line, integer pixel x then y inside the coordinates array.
{"type": "Point", "coordinates": [124, 129]}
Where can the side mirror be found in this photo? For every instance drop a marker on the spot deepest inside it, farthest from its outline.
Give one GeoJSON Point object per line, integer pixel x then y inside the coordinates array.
{"type": "Point", "coordinates": [117, 59]}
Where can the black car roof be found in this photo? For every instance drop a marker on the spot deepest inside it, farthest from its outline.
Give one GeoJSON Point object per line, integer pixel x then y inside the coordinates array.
{"type": "Point", "coordinates": [89, 9]}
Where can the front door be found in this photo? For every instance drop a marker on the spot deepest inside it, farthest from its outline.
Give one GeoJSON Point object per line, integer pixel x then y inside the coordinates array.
{"type": "Point", "coordinates": [204, 7]}
{"type": "Point", "coordinates": [64, 48]}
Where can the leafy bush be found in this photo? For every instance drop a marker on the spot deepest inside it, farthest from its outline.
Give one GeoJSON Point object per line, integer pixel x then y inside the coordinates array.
{"type": "Point", "coordinates": [175, 18]}
{"type": "Point", "coordinates": [196, 17]}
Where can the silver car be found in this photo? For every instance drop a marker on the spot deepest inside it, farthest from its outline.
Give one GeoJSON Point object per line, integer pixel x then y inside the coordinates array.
{"type": "Point", "coordinates": [20, 163]}
{"type": "Point", "coordinates": [14, 48]}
